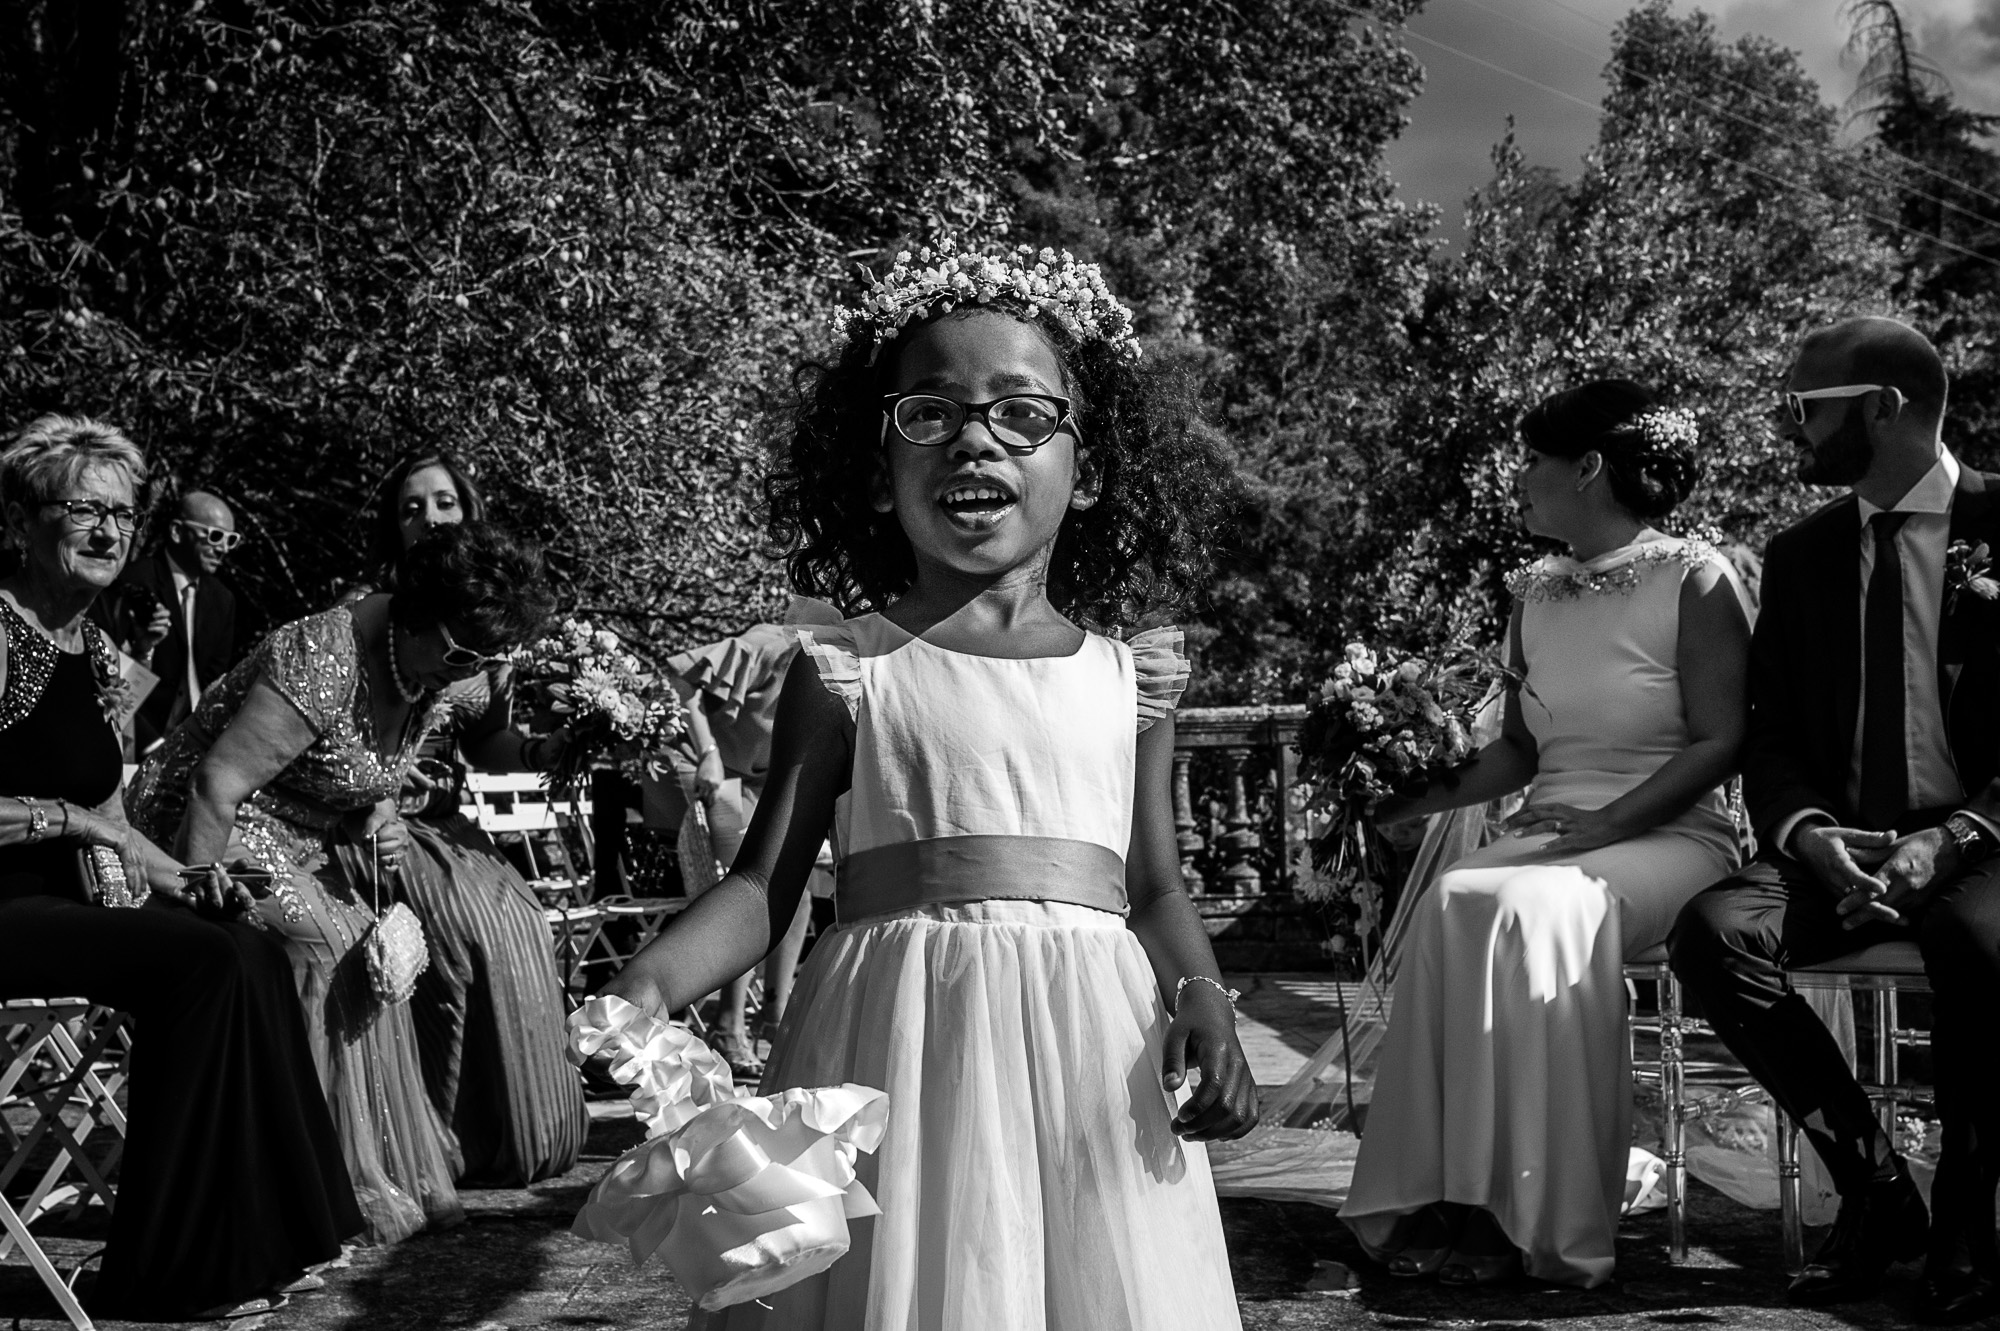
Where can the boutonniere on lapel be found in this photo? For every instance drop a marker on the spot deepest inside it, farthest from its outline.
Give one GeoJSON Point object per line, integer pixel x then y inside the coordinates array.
{"type": "Point", "coordinates": [1967, 570]}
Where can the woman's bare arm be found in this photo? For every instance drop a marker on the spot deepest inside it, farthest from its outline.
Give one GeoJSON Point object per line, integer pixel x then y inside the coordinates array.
{"type": "Point", "coordinates": [734, 924]}
{"type": "Point", "coordinates": [263, 738]}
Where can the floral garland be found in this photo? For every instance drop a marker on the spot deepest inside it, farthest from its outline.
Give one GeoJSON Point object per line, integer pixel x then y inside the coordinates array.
{"type": "Point", "coordinates": [1548, 580]}
{"type": "Point", "coordinates": [1045, 282]}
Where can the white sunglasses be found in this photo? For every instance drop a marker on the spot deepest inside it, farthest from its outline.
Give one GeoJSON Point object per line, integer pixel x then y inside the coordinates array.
{"type": "Point", "coordinates": [1796, 402]}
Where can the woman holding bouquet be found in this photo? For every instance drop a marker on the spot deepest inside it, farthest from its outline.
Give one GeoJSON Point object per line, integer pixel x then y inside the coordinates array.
{"type": "Point", "coordinates": [488, 1010]}
{"type": "Point", "coordinates": [301, 748]}
{"type": "Point", "coordinates": [1501, 1122]}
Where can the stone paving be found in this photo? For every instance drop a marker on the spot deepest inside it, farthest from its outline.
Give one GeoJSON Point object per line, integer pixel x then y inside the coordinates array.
{"type": "Point", "coordinates": [515, 1266]}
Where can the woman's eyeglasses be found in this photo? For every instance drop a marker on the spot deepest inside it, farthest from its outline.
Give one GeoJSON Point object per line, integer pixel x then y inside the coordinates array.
{"type": "Point", "coordinates": [1025, 421]}
{"type": "Point", "coordinates": [89, 515]}
{"type": "Point", "coordinates": [219, 537]}
{"type": "Point", "coordinates": [1795, 403]}
{"type": "Point", "coordinates": [464, 658]}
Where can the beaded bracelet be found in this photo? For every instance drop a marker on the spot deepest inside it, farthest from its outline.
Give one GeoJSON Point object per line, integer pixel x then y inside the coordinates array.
{"type": "Point", "coordinates": [38, 819]}
{"type": "Point", "coordinates": [1231, 994]}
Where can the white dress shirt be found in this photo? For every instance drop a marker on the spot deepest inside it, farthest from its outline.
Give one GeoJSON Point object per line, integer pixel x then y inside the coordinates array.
{"type": "Point", "coordinates": [1933, 776]}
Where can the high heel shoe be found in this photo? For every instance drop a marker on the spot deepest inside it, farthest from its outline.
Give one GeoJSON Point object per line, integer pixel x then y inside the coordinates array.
{"type": "Point", "coordinates": [1484, 1254]}
{"type": "Point", "coordinates": [1416, 1263]}
{"type": "Point", "coordinates": [1466, 1269]}
{"type": "Point", "coordinates": [1433, 1232]}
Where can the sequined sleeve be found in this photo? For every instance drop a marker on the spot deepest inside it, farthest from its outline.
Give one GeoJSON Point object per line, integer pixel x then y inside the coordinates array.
{"type": "Point", "coordinates": [312, 663]}
{"type": "Point", "coordinates": [1159, 657]}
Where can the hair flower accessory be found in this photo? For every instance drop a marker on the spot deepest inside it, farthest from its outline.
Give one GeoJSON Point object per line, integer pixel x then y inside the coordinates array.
{"type": "Point", "coordinates": [939, 278]}
{"type": "Point", "coordinates": [1666, 428]}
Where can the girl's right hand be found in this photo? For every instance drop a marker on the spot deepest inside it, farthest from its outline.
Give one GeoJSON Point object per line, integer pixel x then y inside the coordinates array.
{"type": "Point", "coordinates": [639, 990]}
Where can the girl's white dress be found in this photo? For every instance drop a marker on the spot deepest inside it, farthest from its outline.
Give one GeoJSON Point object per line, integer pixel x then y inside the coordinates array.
{"type": "Point", "coordinates": [1505, 1078]}
{"type": "Point", "coordinates": [983, 976]}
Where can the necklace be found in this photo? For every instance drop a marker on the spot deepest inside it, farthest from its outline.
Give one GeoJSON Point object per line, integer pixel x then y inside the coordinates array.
{"type": "Point", "coordinates": [408, 694]}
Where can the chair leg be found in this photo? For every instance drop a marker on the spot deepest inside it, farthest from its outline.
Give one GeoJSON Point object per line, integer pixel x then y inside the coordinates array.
{"type": "Point", "coordinates": [18, 1230]}
{"type": "Point", "coordinates": [1791, 1222]}
{"type": "Point", "coordinates": [1673, 1096]}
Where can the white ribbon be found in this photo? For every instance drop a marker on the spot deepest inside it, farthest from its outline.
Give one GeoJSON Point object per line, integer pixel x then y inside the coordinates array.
{"type": "Point", "coordinates": [741, 1197]}
{"type": "Point", "coordinates": [673, 1075]}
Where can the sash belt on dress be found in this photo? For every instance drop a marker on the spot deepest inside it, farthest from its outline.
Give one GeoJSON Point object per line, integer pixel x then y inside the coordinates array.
{"type": "Point", "coordinates": [957, 869]}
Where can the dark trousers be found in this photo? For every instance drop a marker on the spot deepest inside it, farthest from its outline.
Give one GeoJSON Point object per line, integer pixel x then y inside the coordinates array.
{"type": "Point", "coordinates": [232, 1179]}
{"type": "Point", "coordinates": [1730, 947]}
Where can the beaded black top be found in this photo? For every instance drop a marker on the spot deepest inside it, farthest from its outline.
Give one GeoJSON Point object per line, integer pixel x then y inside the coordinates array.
{"type": "Point", "coordinates": [56, 742]}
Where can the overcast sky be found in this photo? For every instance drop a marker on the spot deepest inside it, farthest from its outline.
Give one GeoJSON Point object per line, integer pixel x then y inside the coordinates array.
{"type": "Point", "coordinates": [1446, 151]}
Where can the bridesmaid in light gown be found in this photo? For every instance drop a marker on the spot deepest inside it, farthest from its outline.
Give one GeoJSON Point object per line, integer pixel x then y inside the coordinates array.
{"type": "Point", "coordinates": [1501, 1122]}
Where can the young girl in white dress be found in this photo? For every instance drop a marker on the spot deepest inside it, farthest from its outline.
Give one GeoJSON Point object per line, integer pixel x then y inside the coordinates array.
{"type": "Point", "coordinates": [1502, 1116]}
{"type": "Point", "coordinates": [1016, 963]}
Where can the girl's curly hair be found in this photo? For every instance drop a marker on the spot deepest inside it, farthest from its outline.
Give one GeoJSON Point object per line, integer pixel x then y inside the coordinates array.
{"type": "Point", "coordinates": [1163, 477]}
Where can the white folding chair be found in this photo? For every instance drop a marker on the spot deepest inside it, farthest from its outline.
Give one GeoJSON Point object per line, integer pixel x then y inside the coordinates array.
{"type": "Point", "coordinates": [65, 1062]}
{"type": "Point", "coordinates": [516, 806]}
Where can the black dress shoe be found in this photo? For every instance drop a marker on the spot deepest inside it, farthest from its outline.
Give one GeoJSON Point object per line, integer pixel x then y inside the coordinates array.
{"type": "Point", "coordinates": [1874, 1230]}
{"type": "Point", "coordinates": [1954, 1297]}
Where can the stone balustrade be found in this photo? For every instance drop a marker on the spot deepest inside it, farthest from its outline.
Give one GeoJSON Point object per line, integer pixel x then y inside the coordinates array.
{"type": "Point", "coordinates": [1234, 769]}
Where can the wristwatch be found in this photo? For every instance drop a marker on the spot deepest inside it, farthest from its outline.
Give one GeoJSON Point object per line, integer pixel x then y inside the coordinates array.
{"type": "Point", "coordinates": [1974, 842]}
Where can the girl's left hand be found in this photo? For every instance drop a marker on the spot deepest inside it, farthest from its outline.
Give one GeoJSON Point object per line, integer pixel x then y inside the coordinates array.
{"type": "Point", "coordinates": [1576, 830]}
{"type": "Point", "coordinates": [1224, 1106]}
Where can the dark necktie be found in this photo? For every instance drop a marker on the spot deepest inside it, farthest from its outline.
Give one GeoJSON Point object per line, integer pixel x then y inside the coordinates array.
{"type": "Point", "coordinates": [1885, 762]}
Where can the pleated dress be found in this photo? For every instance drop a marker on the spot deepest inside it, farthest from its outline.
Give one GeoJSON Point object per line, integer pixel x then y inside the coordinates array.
{"type": "Point", "coordinates": [982, 974]}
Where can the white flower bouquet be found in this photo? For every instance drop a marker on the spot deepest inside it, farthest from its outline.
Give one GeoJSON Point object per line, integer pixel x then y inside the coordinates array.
{"type": "Point", "coordinates": [1385, 722]}
{"type": "Point", "coordinates": [614, 708]}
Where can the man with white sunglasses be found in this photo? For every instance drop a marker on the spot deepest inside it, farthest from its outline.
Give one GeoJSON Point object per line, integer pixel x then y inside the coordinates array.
{"type": "Point", "coordinates": [177, 616]}
{"type": "Point", "coordinates": [1872, 775]}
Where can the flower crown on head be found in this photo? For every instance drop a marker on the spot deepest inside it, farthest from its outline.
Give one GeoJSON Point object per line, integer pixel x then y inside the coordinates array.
{"type": "Point", "coordinates": [940, 277]}
{"type": "Point", "coordinates": [1667, 428]}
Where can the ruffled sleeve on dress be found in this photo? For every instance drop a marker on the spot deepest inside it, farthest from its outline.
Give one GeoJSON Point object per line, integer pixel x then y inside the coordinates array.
{"type": "Point", "coordinates": [1160, 659]}
{"type": "Point", "coordinates": [831, 647]}
{"type": "Point", "coordinates": [726, 673]}
{"type": "Point", "coordinates": [310, 662]}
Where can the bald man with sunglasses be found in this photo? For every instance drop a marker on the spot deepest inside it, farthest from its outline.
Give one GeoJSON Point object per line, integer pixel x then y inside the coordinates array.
{"type": "Point", "coordinates": [177, 616]}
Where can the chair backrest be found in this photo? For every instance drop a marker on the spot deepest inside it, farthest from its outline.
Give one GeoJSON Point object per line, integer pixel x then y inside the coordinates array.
{"type": "Point", "coordinates": [517, 804]}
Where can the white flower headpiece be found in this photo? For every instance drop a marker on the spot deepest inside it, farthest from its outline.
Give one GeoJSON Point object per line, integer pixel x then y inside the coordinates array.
{"type": "Point", "coordinates": [940, 278]}
{"type": "Point", "coordinates": [1667, 427]}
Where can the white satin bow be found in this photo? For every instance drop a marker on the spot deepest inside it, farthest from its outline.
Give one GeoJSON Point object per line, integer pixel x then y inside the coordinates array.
{"type": "Point", "coordinates": [741, 1197]}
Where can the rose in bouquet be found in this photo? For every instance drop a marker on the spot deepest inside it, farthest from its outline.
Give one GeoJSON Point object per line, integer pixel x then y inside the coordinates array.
{"type": "Point", "coordinates": [616, 711]}
{"type": "Point", "coordinates": [1385, 722]}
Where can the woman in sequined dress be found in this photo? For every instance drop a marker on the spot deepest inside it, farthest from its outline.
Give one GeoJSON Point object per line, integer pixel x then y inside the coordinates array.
{"type": "Point", "coordinates": [303, 746]}
{"type": "Point", "coordinates": [489, 1010]}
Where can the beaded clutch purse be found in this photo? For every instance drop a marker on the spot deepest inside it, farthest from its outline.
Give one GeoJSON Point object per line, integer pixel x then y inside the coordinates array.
{"type": "Point", "coordinates": [105, 880]}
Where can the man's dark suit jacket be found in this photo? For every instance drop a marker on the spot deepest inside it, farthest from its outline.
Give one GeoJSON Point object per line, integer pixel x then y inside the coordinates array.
{"type": "Point", "coordinates": [1805, 665]}
{"type": "Point", "coordinates": [125, 610]}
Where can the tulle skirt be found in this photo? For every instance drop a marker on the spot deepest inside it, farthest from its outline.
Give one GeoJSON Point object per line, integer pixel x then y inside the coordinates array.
{"type": "Point", "coordinates": [1029, 1177]}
